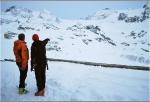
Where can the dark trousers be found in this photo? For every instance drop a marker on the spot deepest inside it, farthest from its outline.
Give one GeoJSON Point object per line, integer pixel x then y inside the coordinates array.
{"type": "Point", "coordinates": [23, 74]}
{"type": "Point", "coordinates": [40, 77]}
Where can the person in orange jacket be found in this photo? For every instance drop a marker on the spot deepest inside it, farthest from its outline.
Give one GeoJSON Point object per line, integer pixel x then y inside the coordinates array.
{"type": "Point", "coordinates": [22, 56]}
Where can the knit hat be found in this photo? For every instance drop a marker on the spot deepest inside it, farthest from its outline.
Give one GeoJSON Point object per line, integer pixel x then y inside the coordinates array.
{"type": "Point", "coordinates": [35, 37]}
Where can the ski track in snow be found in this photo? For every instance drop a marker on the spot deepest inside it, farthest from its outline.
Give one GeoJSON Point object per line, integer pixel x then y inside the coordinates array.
{"type": "Point", "coordinates": [75, 82]}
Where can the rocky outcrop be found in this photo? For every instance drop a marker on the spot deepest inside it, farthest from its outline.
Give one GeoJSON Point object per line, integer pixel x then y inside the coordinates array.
{"type": "Point", "coordinates": [25, 28]}
{"type": "Point", "coordinates": [140, 18]}
{"type": "Point", "coordinates": [146, 13]}
{"type": "Point", "coordinates": [9, 35]}
{"type": "Point", "coordinates": [5, 21]}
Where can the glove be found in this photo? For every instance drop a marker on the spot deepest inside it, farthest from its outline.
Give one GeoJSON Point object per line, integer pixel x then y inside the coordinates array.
{"type": "Point", "coordinates": [33, 67]}
{"type": "Point", "coordinates": [48, 39]}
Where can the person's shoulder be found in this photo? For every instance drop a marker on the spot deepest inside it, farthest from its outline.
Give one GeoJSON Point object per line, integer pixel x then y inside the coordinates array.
{"type": "Point", "coordinates": [22, 42]}
{"type": "Point", "coordinates": [37, 43]}
{"type": "Point", "coordinates": [34, 43]}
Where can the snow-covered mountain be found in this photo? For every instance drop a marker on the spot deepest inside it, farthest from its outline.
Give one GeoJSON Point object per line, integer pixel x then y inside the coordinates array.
{"type": "Point", "coordinates": [129, 15]}
{"type": "Point", "coordinates": [102, 14]}
{"type": "Point", "coordinates": [107, 36]}
{"type": "Point", "coordinates": [19, 11]}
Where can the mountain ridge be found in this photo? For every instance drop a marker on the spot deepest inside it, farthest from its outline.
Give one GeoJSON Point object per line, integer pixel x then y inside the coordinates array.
{"type": "Point", "coordinates": [110, 36]}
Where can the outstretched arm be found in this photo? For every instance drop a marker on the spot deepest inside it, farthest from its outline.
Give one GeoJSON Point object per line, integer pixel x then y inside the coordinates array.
{"type": "Point", "coordinates": [46, 41]}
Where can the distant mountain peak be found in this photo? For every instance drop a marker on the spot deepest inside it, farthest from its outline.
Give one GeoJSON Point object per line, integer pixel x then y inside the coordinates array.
{"type": "Point", "coordinates": [19, 10]}
{"type": "Point", "coordinates": [147, 5]}
{"type": "Point", "coordinates": [102, 14]}
{"type": "Point", "coordinates": [46, 15]}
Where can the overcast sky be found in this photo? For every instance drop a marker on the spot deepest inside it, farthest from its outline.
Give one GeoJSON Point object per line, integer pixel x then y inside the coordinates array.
{"type": "Point", "coordinates": [73, 9]}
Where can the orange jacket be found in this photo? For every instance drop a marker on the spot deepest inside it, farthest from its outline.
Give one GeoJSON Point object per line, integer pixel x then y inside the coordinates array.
{"type": "Point", "coordinates": [21, 52]}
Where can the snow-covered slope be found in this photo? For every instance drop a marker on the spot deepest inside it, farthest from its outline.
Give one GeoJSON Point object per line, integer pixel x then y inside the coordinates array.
{"type": "Point", "coordinates": [108, 36]}
{"type": "Point", "coordinates": [74, 82]}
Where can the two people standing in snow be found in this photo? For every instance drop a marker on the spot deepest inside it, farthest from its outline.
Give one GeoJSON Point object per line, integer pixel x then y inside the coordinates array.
{"type": "Point", "coordinates": [38, 62]}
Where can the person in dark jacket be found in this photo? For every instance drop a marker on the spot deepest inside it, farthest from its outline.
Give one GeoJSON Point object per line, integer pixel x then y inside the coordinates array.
{"type": "Point", "coordinates": [39, 62]}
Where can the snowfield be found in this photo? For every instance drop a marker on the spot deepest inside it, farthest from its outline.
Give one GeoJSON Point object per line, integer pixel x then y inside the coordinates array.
{"type": "Point", "coordinates": [75, 82]}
